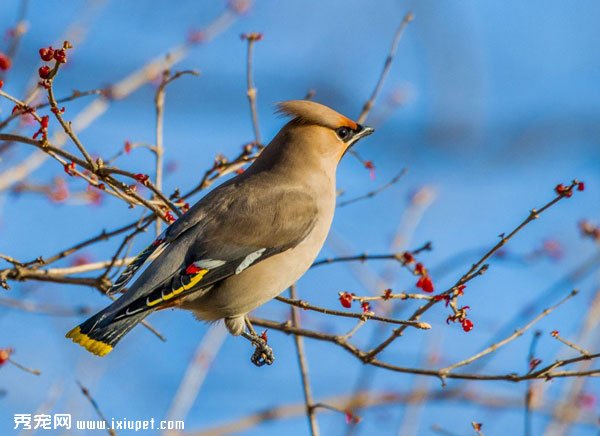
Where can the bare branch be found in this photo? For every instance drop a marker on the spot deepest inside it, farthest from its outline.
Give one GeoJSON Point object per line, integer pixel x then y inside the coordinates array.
{"type": "Point", "coordinates": [251, 89]}
{"type": "Point", "coordinates": [298, 340]}
{"type": "Point", "coordinates": [85, 391]}
{"type": "Point", "coordinates": [518, 333]}
{"type": "Point", "coordinates": [386, 68]}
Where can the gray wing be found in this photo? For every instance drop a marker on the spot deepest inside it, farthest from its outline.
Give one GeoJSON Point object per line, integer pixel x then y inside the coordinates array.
{"type": "Point", "coordinates": [232, 228]}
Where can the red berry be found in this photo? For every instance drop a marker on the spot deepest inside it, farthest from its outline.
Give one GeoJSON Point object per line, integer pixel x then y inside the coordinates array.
{"type": "Point", "coordinates": [70, 168]}
{"type": "Point", "coordinates": [467, 325]}
{"type": "Point", "coordinates": [142, 178]}
{"type": "Point", "coordinates": [4, 355]}
{"type": "Point", "coordinates": [252, 36]}
{"type": "Point", "coordinates": [387, 294]}
{"type": "Point", "coordinates": [407, 257]}
{"type": "Point", "coordinates": [533, 364]}
{"type": "Point", "coordinates": [580, 186]}
{"type": "Point", "coordinates": [425, 284]}
{"type": "Point", "coordinates": [1, 84]}
{"type": "Point", "coordinates": [44, 72]}
{"type": "Point", "coordinates": [169, 217]}
{"type": "Point", "coordinates": [44, 122]}
{"type": "Point", "coordinates": [366, 307]}
{"type": "Point", "coordinates": [43, 130]}
{"type": "Point", "coordinates": [127, 147]}
{"type": "Point", "coordinates": [47, 53]}
{"type": "Point", "coordinates": [371, 167]}
{"type": "Point", "coordinates": [563, 190]}
{"type": "Point", "coordinates": [352, 418]}
{"type": "Point", "coordinates": [60, 56]}
{"type": "Point", "coordinates": [346, 299]}
{"type": "Point", "coordinates": [420, 269]}
{"type": "Point", "coordinates": [440, 297]}
{"type": "Point", "coordinates": [5, 62]}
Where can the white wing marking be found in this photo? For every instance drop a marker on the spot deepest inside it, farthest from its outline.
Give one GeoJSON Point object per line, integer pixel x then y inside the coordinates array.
{"type": "Point", "coordinates": [209, 263]}
{"type": "Point", "coordinates": [249, 260]}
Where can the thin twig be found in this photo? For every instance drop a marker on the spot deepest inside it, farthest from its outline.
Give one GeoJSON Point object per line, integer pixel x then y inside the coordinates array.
{"type": "Point", "coordinates": [102, 236]}
{"type": "Point", "coordinates": [515, 335]}
{"type": "Point", "coordinates": [17, 32]}
{"type": "Point", "coordinates": [196, 372]}
{"type": "Point", "coordinates": [569, 408]}
{"type": "Point", "coordinates": [103, 172]}
{"type": "Point", "coordinates": [529, 391]}
{"type": "Point", "coordinates": [66, 125]}
{"type": "Point", "coordinates": [365, 256]}
{"type": "Point", "coordinates": [476, 269]}
{"type": "Point", "coordinates": [362, 316]}
{"type": "Point", "coordinates": [582, 351]}
{"type": "Point", "coordinates": [251, 89]}
{"type": "Point", "coordinates": [25, 368]}
{"type": "Point", "coordinates": [159, 150]}
{"type": "Point", "coordinates": [118, 91]}
{"type": "Point", "coordinates": [6, 356]}
{"type": "Point", "coordinates": [45, 309]}
{"type": "Point", "coordinates": [366, 399]}
{"type": "Point", "coordinates": [85, 391]}
{"type": "Point", "coordinates": [298, 340]}
{"type": "Point", "coordinates": [386, 68]}
{"type": "Point", "coordinates": [374, 192]}
{"type": "Point", "coordinates": [545, 373]}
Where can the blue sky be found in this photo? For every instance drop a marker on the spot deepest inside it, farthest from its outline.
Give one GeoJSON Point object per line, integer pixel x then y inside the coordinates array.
{"type": "Point", "coordinates": [501, 104]}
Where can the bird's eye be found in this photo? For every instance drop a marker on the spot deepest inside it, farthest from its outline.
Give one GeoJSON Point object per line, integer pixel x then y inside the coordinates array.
{"type": "Point", "coordinates": [343, 133]}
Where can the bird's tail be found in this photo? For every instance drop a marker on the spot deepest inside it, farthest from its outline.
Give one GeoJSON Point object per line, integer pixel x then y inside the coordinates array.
{"type": "Point", "coordinates": [100, 333]}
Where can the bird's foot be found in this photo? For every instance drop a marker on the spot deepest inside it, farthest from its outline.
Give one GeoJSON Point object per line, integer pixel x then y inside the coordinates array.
{"type": "Point", "coordinates": [263, 354]}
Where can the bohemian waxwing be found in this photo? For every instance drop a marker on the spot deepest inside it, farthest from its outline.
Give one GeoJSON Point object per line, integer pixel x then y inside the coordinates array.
{"type": "Point", "coordinates": [244, 242]}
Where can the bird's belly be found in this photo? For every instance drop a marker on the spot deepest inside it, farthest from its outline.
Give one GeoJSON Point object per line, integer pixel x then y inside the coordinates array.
{"type": "Point", "coordinates": [242, 293]}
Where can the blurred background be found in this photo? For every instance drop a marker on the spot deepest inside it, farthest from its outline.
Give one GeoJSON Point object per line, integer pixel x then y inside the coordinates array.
{"type": "Point", "coordinates": [488, 106]}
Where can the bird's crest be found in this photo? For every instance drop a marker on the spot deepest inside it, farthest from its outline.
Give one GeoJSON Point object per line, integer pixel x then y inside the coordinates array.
{"type": "Point", "coordinates": [315, 113]}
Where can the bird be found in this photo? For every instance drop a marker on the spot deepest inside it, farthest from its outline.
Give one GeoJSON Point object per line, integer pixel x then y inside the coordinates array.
{"type": "Point", "coordinates": [244, 242]}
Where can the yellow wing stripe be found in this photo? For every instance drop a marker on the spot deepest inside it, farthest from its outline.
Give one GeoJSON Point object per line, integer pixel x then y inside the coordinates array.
{"type": "Point", "coordinates": [153, 303]}
{"type": "Point", "coordinates": [98, 348]}
{"type": "Point", "coordinates": [193, 282]}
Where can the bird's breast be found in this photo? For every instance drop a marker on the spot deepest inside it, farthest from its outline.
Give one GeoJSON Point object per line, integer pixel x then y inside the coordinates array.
{"type": "Point", "coordinates": [244, 292]}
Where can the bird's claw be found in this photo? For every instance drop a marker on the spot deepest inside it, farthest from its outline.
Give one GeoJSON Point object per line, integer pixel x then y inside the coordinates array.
{"type": "Point", "coordinates": [263, 354]}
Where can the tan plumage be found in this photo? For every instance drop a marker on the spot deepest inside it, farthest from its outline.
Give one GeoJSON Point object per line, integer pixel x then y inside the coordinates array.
{"type": "Point", "coordinates": [247, 240]}
{"type": "Point", "coordinates": [311, 112]}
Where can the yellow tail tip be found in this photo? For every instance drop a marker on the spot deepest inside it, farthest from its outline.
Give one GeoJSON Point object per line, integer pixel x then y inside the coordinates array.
{"type": "Point", "coordinates": [93, 346]}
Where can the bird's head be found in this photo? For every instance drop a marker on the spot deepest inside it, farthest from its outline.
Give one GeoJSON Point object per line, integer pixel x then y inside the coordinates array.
{"type": "Point", "coordinates": [318, 129]}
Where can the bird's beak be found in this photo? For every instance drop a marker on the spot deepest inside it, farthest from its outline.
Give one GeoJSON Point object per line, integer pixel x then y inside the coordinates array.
{"type": "Point", "coordinates": [365, 131]}
{"type": "Point", "coordinates": [362, 132]}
